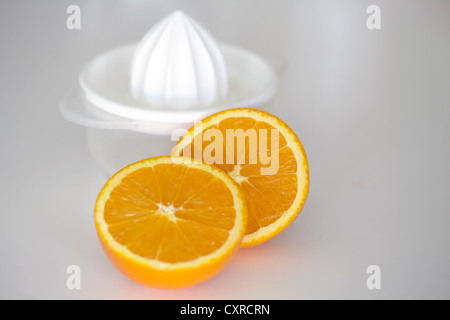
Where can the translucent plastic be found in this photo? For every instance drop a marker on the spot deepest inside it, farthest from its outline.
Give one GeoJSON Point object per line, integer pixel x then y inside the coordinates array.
{"type": "Point", "coordinates": [114, 144]}
{"type": "Point", "coordinates": [132, 113]}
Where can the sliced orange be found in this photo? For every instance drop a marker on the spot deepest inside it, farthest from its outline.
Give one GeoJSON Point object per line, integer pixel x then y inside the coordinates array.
{"type": "Point", "coordinates": [170, 222]}
{"type": "Point", "coordinates": [275, 194]}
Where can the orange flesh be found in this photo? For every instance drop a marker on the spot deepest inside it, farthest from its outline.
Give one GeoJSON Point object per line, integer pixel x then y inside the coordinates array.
{"type": "Point", "coordinates": [268, 196]}
{"type": "Point", "coordinates": [170, 213]}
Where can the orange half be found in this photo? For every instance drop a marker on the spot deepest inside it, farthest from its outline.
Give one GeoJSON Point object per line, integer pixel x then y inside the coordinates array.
{"type": "Point", "coordinates": [269, 164]}
{"type": "Point", "coordinates": [170, 222]}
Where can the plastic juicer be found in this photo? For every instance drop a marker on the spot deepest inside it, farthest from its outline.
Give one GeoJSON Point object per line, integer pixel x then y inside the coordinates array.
{"type": "Point", "coordinates": [137, 100]}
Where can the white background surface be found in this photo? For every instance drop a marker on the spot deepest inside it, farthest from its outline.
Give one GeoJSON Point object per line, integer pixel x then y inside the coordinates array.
{"type": "Point", "coordinates": [372, 109]}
